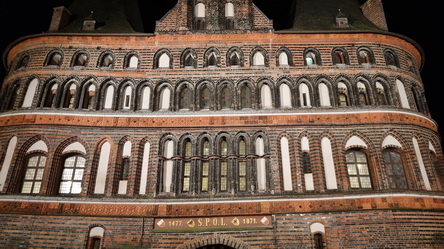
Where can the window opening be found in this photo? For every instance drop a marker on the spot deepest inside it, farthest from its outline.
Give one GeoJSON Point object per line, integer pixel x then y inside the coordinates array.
{"type": "Point", "coordinates": [72, 175]}
{"type": "Point", "coordinates": [35, 167]}
{"type": "Point", "coordinates": [358, 171]}
{"type": "Point", "coordinates": [205, 96]}
{"type": "Point", "coordinates": [395, 169]}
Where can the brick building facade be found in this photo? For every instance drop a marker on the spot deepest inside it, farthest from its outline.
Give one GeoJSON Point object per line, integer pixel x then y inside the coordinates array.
{"type": "Point", "coordinates": [218, 131]}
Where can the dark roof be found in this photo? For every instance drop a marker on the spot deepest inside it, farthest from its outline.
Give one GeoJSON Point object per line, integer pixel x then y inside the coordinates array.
{"type": "Point", "coordinates": [111, 16]}
{"type": "Point", "coordinates": [320, 15]}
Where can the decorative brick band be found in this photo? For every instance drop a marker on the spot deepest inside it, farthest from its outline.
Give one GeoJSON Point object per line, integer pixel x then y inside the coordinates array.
{"type": "Point", "coordinates": [219, 208]}
{"type": "Point", "coordinates": [243, 120]}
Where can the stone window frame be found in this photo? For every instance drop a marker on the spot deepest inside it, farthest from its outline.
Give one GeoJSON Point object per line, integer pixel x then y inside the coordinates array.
{"type": "Point", "coordinates": [50, 60]}
{"type": "Point", "coordinates": [368, 58]}
{"type": "Point", "coordinates": [207, 55]}
{"type": "Point", "coordinates": [231, 51]}
{"type": "Point", "coordinates": [391, 58]}
{"type": "Point", "coordinates": [47, 86]}
{"type": "Point", "coordinates": [317, 57]}
{"type": "Point", "coordinates": [289, 57]}
{"type": "Point", "coordinates": [185, 56]}
{"type": "Point", "coordinates": [157, 56]}
{"type": "Point", "coordinates": [75, 59]}
{"type": "Point", "coordinates": [263, 52]}
{"type": "Point", "coordinates": [84, 88]}
{"type": "Point", "coordinates": [340, 56]}
{"type": "Point", "coordinates": [127, 60]}
{"type": "Point", "coordinates": [101, 63]}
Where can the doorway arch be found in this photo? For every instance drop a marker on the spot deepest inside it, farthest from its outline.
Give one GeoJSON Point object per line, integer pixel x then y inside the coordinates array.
{"type": "Point", "coordinates": [216, 247]}
{"type": "Point", "coordinates": [214, 242]}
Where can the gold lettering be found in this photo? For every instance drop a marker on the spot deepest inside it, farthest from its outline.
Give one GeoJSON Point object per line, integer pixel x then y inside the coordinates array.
{"type": "Point", "coordinates": [207, 221]}
{"type": "Point", "coordinates": [199, 222]}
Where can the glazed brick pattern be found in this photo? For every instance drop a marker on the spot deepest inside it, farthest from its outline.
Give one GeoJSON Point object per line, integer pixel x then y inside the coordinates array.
{"type": "Point", "coordinates": [357, 229]}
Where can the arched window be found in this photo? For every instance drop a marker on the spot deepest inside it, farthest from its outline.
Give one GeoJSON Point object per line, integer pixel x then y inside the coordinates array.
{"type": "Point", "coordinates": [225, 98]}
{"type": "Point", "coordinates": [318, 230]}
{"type": "Point", "coordinates": [109, 97]}
{"type": "Point", "coordinates": [189, 59]}
{"type": "Point", "coordinates": [54, 59]}
{"type": "Point", "coordinates": [339, 56]}
{"type": "Point", "coordinates": [381, 96]}
{"type": "Point", "coordinates": [30, 93]}
{"type": "Point", "coordinates": [199, 16]}
{"type": "Point", "coordinates": [285, 96]}
{"type": "Point", "coordinates": [242, 165]}
{"type": "Point", "coordinates": [145, 98]}
{"type": "Point", "coordinates": [106, 60]}
{"type": "Point", "coordinates": [245, 97]}
{"type": "Point", "coordinates": [212, 57]}
{"type": "Point", "coordinates": [167, 171]}
{"type": "Point", "coordinates": [229, 16]}
{"type": "Point", "coordinates": [50, 96]}
{"type": "Point", "coordinates": [186, 170]}
{"type": "Point", "coordinates": [80, 60]}
{"type": "Point", "coordinates": [286, 165]}
{"type": "Point", "coordinates": [212, 61]}
{"type": "Point", "coordinates": [69, 97]}
{"type": "Point", "coordinates": [223, 167]}
{"type": "Point", "coordinates": [234, 57]}
{"type": "Point", "coordinates": [12, 96]}
{"type": "Point", "coordinates": [343, 94]}
{"type": "Point", "coordinates": [102, 168]}
{"type": "Point", "coordinates": [205, 166]}
{"type": "Point", "coordinates": [362, 94]}
{"type": "Point", "coordinates": [35, 167]}
{"type": "Point", "coordinates": [88, 97]}
{"type": "Point", "coordinates": [162, 60]}
{"type": "Point", "coordinates": [185, 98]}
{"type": "Point", "coordinates": [324, 95]}
{"type": "Point", "coordinates": [390, 58]}
{"type": "Point", "coordinates": [329, 166]}
{"type": "Point", "coordinates": [132, 61]}
{"type": "Point", "coordinates": [283, 59]}
{"type": "Point", "coordinates": [365, 56]}
{"type": "Point", "coordinates": [358, 169]}
{"type": "Point", "coordinates": [95, 238]}
{"type": "Point", "coordinates": [72, 175]}
{"type": "Point", "coordinates": [164, 98]}
{"type": "Point", "coordinates": [402, 94]}
{"type": "Point", "coordinates": [258, 59]}
{"type": "Point", "coordinates": [23, 62]}
{"type": "Point", "coordinates": [266, 100]}
{"type": "Point", "coordinates": [395, 169]}
{"type": "Point", "coordinates": [304, 95]}
{"type": "Point", "coordinates": [205, 98]}
{"type": "Point", "coordinates": [127, 97]}
{"type": "Point", "coordinates": [124, 164]}
{"type": "Point", "coordinates": [261, 165]}
{"type": "Point", "coordinates": [312, 57]}
{"type": "Point", "coordinates": [306, 164]}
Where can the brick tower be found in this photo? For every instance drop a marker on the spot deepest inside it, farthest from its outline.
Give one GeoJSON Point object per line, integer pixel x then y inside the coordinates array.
{"type": "Point", "coordinates": [218, 131]}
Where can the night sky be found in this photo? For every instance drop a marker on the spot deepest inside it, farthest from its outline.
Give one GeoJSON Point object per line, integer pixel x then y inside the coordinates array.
{"type": "Point", "coordinates": [413, 18]}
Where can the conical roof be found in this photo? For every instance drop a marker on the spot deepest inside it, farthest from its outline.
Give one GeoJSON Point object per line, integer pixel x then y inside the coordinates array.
{"type": "Point", "coordinates": [320, 15]}
{"type": "Point", "coordinates": [111, 16]}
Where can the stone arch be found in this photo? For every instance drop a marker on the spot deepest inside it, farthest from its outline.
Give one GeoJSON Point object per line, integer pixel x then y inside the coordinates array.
{"type": "Point", "coordinates": [215, 239]}
{"type": "Point", "coordinates": [19, 168]}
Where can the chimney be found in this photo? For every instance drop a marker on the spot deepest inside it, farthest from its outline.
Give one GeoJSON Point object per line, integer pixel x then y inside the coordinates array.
{"type": "Point", "coordinates": [60, 19]}
{"type": "Point", "coordinates": [374, 11]}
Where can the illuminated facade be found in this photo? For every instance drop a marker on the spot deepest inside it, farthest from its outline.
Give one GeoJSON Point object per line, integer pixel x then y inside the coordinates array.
{"type": "Point", "coordinates": [218, 131]}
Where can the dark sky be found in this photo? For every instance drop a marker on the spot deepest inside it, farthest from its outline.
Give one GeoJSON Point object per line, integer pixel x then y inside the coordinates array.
{"type": "Point", "coordinates": [413, 18]}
